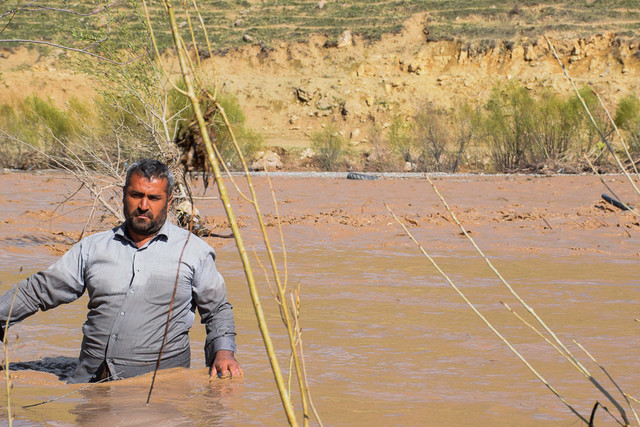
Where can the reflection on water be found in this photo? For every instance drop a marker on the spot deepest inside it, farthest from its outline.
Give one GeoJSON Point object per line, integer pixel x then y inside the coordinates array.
{"type": "Point", "coordinates": [387, 342]}
{"type": "Point", "coordinates": [61, 366]}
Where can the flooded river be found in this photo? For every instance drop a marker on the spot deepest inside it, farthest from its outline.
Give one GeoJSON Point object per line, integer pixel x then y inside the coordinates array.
{"type": "Point", "coordinates": [386, 340]}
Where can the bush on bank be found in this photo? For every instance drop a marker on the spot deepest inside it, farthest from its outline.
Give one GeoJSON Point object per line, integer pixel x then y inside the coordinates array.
{"type": "Point", "coordinates": [35, 133]}
{"type": "Point", "coordinates": [515, 130]}
{"type": "Point", "coordinates": [330, 147]}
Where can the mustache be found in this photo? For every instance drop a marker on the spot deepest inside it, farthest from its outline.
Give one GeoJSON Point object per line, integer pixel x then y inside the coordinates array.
{"type": "Point", "coordinates": [138, 212]}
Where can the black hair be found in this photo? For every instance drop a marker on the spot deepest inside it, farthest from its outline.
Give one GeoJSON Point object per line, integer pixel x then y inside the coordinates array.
{"type": "Point", "coordinates": [149, 169]}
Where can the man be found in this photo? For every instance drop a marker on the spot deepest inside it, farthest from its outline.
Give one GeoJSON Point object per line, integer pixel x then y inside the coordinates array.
{"type": "Point", "coordinates": [130, 273]}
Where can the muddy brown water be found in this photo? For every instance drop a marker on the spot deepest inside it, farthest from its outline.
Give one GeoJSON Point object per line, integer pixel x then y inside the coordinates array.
{"type": "Point", "coordinates": [386, 340]}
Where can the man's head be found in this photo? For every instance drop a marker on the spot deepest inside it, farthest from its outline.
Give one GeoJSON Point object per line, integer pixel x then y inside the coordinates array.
{"type": "Point", "coordinates": [146, 197]}
{"type": "Point", "coordinates": [149, 168]}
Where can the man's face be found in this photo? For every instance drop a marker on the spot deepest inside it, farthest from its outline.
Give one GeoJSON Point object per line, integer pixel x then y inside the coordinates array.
{"type": "Point", "coordinates": [145, 205]}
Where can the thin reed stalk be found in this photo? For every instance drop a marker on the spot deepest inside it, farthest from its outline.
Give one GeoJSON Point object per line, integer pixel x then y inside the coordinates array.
{"type": "Point", "coordinates": [529, 309]}
{"type": "Point", "coordinates": [187, 70]}
{"type": "Point", "coordinates": [7, 373]}
{"type": "Point", "coordinates": [593, 121]}
{"type": "Point", "coordinates": [195, 92]}
{"type": "Point", "coordinates": [593, 359]}
{"type": "Point", "coordinates": [280, 285]}
{"type": "Point", "coordinates": [484, 319]}
{"type": "Point", "coordinates": [629, 208]}
{"type": "Point", "coordinates": [170, 311]}
{"type": "Point", "coordinates": [615, 128]}
{"type": "Point", "coordinates": [552, 344]}
{"type": "Point", "coordinates": [296, 304]}
{"type": "Point", "coordinates": [55, 399]}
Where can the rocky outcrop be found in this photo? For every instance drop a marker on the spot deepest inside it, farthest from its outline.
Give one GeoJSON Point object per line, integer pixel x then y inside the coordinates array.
{"type": "Point", "coordinates": [267, 160]}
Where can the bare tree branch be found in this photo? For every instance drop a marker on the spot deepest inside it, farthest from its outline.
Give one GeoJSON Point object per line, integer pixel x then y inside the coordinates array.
{"type": "Point", "coordinates": [69, 11]}
{"type": "Point", "coordinates": [83, 51]}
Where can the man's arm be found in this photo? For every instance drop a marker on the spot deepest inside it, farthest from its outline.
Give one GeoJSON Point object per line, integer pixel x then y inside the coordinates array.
{"type": "Point", "coordinates": [59, 284]}
{"type": "Point", "coordinates": [210, 295]}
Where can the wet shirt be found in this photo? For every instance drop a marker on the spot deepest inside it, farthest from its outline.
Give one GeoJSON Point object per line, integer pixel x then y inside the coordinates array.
{"type": "Point", "coordinates": [130, 291]}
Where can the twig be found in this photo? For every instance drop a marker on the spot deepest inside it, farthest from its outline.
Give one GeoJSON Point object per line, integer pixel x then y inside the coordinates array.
{"type": "Point", "coordinates": [533, 328]}
{"type": "Point", "coordinates": [69, 11]}
{"type": "Point", "coordinates": [82, 184]}
{"type": "Point", "coordinates": [275, 367]}
{"type": "Point", "coordinates": [266, 276]}
{"type": "Point", "coordinates": [593, 414]}
{"type": "Point", "coordinates": [593, 121]}
{"type": "Point", "coordinates": [73, 49]}
{"type": "Point", "coordinates": [206, 38]}
{"type": "Point", "coordinates": [484, 319]}
{"type": "Point", "coordinates": [610, 379]}
{"type": "Point", "coordinates": [71, 393]}
{"type": "Point", "coordinates": [615, 127]}
{"type": "Point", "coordinates": [627, 207]}
{"type": "Point", "coordinates": [80, 176]}
{"type": "Point", "coordinates": [296, 303]}
{"type": "Point", "coordinates": [277, 213]}
{"type": "Point", "coordinates": [279, 284]}
{"type": "Point", "coordinates": [166, 326]}
{"type": "Point", "coordinates": [5, 343]}
{"type": "Point", "coordinates": [13, 15]}
{"type": "Point", "coordinates": [529, 309]}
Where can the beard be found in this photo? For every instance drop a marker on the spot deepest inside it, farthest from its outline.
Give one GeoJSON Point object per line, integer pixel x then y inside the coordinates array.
{"type": "Point", "coordinates": [141, 226]}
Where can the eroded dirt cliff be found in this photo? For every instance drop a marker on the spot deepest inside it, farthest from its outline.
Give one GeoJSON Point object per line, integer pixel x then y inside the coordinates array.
{"type": "Point", "coordinates": [293, 89]}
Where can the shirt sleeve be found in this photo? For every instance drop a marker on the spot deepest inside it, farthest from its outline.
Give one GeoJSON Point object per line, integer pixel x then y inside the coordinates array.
{"type": "Point", "coordinates": [61, 283]}
{"type": "Point", "coordinates": [210, 294]}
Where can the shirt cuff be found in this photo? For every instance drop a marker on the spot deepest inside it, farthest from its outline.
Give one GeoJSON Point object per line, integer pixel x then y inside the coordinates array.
{"type": "Point", "coordinates": [219, 343]}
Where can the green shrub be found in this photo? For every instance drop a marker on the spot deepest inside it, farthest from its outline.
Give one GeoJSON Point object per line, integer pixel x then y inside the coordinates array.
{"type": "Point", "coordinates": [627, 119]}
{"type": "Point", "coordinates": [431, 137]}
{"type": "Point", "coordinates": [508, 126]}
{"type": "Point", "coordinates": [466, 124]}
{"type": "Point", "coordinates": [590, 140]}
{"type": "Point", "coordinates": [556, 129]}
{"type": "Point", "coordinates": [47, 117]}
{"type": "Point", "coordinates": [628, 112]}
{"type": "Point", "coordinates": [380, 158]}
{"type": "Point", "coordinates": [399, 138]}
{"type": "Point", "coordinates": [248, 140]}
{"type": "Point", "coordinates": [330, 148]}
{"type": "Point", "coordinates": [526, 131]}
{"type": "Point", "coordinates": [35, 125]}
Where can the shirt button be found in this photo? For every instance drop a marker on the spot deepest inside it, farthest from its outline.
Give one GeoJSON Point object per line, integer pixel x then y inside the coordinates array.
{"type": "Point", "coordinates": [114, 336]}
{"type": "Point", "coordinates": [130, 291]}
{"type": "Point", "coordinates": [122, 313]}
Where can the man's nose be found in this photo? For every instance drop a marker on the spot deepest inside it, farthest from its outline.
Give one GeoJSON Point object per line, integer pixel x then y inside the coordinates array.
{"type": "Point", "coordinates": [144, 204]}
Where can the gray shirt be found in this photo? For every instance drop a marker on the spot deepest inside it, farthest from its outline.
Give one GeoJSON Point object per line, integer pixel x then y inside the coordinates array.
{"type": "Point", "coordinates": [130, 290]}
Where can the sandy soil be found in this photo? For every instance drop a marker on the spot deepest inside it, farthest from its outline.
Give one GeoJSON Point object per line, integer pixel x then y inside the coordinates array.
{"type": "Point", "coordinates": [386, 339]}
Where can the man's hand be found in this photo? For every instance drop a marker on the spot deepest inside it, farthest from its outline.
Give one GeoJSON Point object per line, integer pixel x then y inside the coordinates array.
{"type": "Point", "coordinates": [225, 365]}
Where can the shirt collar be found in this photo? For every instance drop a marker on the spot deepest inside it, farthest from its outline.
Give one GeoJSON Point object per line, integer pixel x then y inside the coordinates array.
{"type": "Point", "coordinates": [162, 234]}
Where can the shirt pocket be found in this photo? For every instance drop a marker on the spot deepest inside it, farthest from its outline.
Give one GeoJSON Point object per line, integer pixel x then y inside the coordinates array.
{"type": "Point", "coordinates": [159, 290]}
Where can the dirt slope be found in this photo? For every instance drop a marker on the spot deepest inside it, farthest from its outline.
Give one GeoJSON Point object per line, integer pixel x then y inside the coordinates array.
{"type": "Point", "coordinates": [292, 90]}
